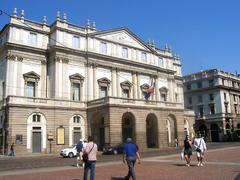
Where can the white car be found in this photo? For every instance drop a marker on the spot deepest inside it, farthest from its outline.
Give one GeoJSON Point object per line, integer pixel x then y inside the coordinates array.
{"type": "Point", "coordinates": [69, 152]}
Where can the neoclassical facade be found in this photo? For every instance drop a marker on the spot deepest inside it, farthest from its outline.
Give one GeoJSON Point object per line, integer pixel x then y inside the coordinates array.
{"type": "Point", "coordinates": [214, 96]}
{"type": "Point", "coordinates": [61, 82]}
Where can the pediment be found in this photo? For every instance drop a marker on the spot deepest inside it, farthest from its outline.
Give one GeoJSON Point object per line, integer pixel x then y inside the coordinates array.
{"type": "Point", "coordinates": [123, 36]}
{"type": "Point", "coordinates": [145, 86]}
{"type": "Point", "coordinates": [104, 80]}
{"type": "Point", "coordinates": [32, 75]}
{"type": "Point", "coordinates": [76, 76]}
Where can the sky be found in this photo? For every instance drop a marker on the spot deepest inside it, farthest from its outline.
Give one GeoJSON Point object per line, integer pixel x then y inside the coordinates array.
{"type": "Point", "coordinates": [205, 33]}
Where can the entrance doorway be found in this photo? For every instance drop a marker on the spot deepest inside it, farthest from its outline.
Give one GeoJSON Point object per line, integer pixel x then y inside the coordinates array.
{"type": "Point", "coordinates": [152, 131]}
{"type": "Point", "coordinates": [214, 132]}
{"type": "Point", "coordinates": [36, 140]}
{"type": "Point", "coordinates": [128, 127]}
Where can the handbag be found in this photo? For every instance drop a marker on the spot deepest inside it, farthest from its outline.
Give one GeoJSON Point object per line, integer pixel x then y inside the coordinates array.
{"type": "Point", "coordinates": [85, 155]}
{"type": "Point", "coordinates": [198, 148]}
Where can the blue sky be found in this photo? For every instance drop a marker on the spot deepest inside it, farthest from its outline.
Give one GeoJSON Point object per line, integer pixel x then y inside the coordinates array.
{"type": "Point", "coordinates": [205, 33]}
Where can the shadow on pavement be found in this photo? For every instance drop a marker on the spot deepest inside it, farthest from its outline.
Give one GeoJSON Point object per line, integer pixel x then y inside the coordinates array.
{"type": "Point", "coordinates": [117, 178]}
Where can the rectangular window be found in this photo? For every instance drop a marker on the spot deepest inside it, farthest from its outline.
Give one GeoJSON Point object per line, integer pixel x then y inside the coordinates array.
{"type": "Point", "coordinates": [36, 118]}
{"type": "Point", "coordinates": [234, 98]}
{"type": "Point", "coordinates": [76, 42]}
{"type": "Point", "coordinates": [3, 89]}
{"type": "Point", "coordinates": [76, 92]}
{"type": "Point", "coordinates": [19, 139]}
{"type": "Point", "coordinates": [32, 39]}
{"type": "Point", "coordinates": [212, 109]}
{"type": "Point", "coordinates": [200, 99]}
{"type": "Point", "coordinates": [235, 109]}
{"type": "Point", "coordinates": [225, 96]}
{"type": "Point", "coordinates": [189, 87]}
{"type": "Point", "coordinates": [125, 52]}
{"type": "Point", "coordinates": [163, 97]}
{"type": "Point", "coordinates": [160, 62]}
{"type": "Point", "coordinates": [125, 93]}
{"type": "Point", "coordinates": [103, 47]}
{"type": "Point", "coordinates": [103, 91]}
{"type": "Point", "coordinates": [144, 57]}
{"type": "Point", "coordinates": [189, 100]}
{"type": "Point", "coordinates": [223, 82]}
{"type": "Point", "coordinates": [211, 97]}
{"type": "Point", "coordinates": [30, 89]}
{"type": "Point", "coordinates": [199, 84]}
{"type": "Point", "coordinates": [210, 82]}
{"type": "Point", "coordinates": [201, 111]}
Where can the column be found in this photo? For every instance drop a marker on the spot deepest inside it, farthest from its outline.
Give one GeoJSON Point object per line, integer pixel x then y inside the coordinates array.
{"type": "Point", "coordinates": [135, 85]}
{"type": "Point", "coordinates": [157, 89]}
{"type": "Point", "coordinates": [95, 87]}
{"type": "Point", "coordinates": [114, 89]}
{"type": "Point", "coordinates": [20, 90]}
{"type": "Point", "coordinates": [43, 80]}
{"type": "Point", "coordinates": [117, 85]}
{"type": "Point", "coordinates": [138, 87]}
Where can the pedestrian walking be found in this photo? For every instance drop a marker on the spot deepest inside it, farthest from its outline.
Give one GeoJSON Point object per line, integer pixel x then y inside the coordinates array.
{"type": "Point", "coordinates": [91, 151]}
{"type": "Point", "coordinates": [12, 152]}
{"type": "Point", "coordinates": [200, 147]}
{"type": "Point", "coordinates": [130, 154]}
{"type": "Point", "coordinates": [187, 150]}
{"type": "Point", "coordinates": [79, 149]}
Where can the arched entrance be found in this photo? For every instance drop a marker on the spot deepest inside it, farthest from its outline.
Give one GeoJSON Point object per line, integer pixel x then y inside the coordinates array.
{"type": "Point", "coordinates": [76, 129]}
{"type": "Point", "coordinates": [172, 130]}
{"type": "Point", "coordinates": [98, 130]}
{"type": "Point", "coordinates": [203, 130]}
{"type": "Point", "coordinates": [214, 132]}
{"type": "Point", "coordinates": [128, 127]}
{"type": "Point", "coordinates": [36, 132]}
{"type": "Point", "coordinates": [152, 131]}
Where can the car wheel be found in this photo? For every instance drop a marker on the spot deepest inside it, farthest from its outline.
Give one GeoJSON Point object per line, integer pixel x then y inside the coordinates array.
{"type": "Point", "coordinates": [115, 152]}
{"type": "Point", "coordinates": [70, 155]}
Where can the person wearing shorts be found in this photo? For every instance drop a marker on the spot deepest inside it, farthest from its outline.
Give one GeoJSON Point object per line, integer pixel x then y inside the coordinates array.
{"type": "Point", "coordinates": [200, 147]}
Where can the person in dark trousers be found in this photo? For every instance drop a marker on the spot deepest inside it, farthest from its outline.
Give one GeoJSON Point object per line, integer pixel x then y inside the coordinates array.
{"type": "Point", "coordinates": [12, 152]}
{"type": "Point", "coordinates": [187, 150]}
{"type": "Point", "coordinates": [79, 149]}
{"type": "Point", "coordinates": [130, 154]}
{"type": "Point", "coordinates": [91, 151]}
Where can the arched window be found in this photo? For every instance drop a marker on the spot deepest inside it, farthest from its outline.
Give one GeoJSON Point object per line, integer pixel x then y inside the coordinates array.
{"type": "Point", "coordinates": [76, 119]}
{"type": "Point", "coordinates": [36, 118]}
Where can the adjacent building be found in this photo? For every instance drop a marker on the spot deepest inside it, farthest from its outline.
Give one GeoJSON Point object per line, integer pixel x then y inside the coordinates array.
{"type": "Point", "coordinates": [214, 96]}
{"type": "Point", "coordinates": [61, 82]}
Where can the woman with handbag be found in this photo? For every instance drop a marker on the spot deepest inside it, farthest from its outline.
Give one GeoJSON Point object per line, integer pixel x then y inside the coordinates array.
{"type": "Point", "coordinates": [90, 161]}
{"type": "Point", "coordinates": [187, 150]}
{"type": "Point", "coordinates": [201, 148]}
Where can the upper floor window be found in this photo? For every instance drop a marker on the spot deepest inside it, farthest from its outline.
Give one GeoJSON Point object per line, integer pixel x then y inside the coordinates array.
{"type": "Point", "coordinates": [225, 96]}
{"type": "Point", "coordinates": [163, 93]}
{"type": "Point", "coordinates": [126, 87]}
{"type": "Point", "coordinates": [190, 100]}
{"type": "Point", "coordinates": [201, 111]}
{"type": "Point", "coordinates": [199, 84]}
{"type": "Point", "coordinates": [124, 52]}
{"type": "Point", "coordinates": [103, 47]}
{"type": "Point", "coordinates": [76, 92]}
{"type": "Point", "coordinates": [223, 82]}
{"type": "Point", "coordinates": [31, 89]}
{"type": "Point", "coordinates": [160, 62]}
{"type": "Point", "coordinates": [189, 87]}
{"type": "Point", "coordinates": [212, 109]}
{"type": "Point", "coordinates": [103, 91]}
{"type": "Point", "coordinates": [76, 42]}
{"type": "Point", "coordinates": [211, 97]}
{"type": "Point", "coordinates": [32, 38]}
{"type": "Point", "coordinates": [36, 118]}
{"type": "Point", "coordinates": [144, 57]}
{"type": "Point", "coordinates": [76, 84]}
{"type": "Point", "coordinates": [31, 82]}
{"type": "Point", "coordinates": [211, 82]}
{"type": "Point", "coordinates": [200, 99]}
{"type": "Point", "coordinates": [76, 119]}
{"type": "Point", "coordinates": [233, 84]}
{"type": "Point", "coordinates": [104, 84]}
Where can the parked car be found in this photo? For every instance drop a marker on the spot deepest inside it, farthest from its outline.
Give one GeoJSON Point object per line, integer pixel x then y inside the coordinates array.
{"type": "Point", "coordinates": [117, 149]}
{"type": "Point", "coordinates": [69, 152]}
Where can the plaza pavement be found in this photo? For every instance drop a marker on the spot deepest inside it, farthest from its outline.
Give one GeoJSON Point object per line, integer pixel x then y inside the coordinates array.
{"type": "Point", "coordinates": [220, 164]}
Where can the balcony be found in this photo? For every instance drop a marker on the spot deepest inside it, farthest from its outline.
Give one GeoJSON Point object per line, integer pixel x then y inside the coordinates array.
{"type": "Point", "coordinates": [31, 101]}
{"type": "Point", "coordinates": [133, 102]}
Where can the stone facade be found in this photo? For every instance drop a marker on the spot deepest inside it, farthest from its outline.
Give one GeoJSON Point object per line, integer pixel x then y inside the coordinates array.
{"type": "Point", "coordinates": [62, 82]}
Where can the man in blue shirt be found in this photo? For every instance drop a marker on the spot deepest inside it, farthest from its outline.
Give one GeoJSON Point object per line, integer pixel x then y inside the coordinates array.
{"type": "Point", "coordinates": [130, 154]}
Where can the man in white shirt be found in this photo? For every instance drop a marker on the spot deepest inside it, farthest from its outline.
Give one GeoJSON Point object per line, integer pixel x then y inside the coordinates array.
{"type": "Point", "coordinates": [201, 148]}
